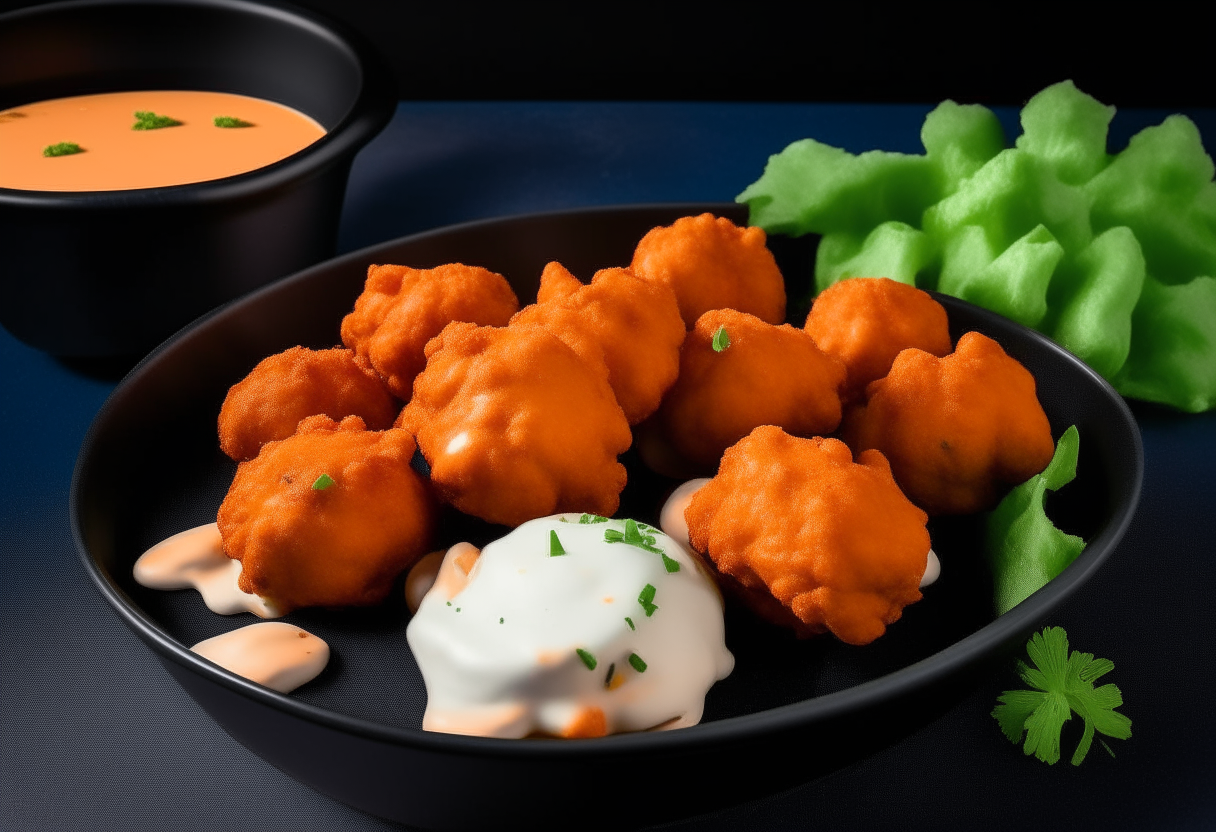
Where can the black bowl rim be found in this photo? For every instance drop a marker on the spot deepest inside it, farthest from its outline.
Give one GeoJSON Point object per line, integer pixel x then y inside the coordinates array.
{"type": "Point", "coordinates": [367, 115]}
{"type": "Point", "coordinates": [956, 658]}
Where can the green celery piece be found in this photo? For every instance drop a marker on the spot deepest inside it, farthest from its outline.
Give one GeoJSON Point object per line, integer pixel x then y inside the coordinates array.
{"type": "Point", "coordinates": [1014, 283]}
{"type": "Point", "coordinates": [893, 249]}
{"type": "Point", "coordinates": [1066, 130]}
{"type": "Point", "coordinates": [1024, 549]}
{"type": "Point", "coordinates": [1173, 350]}
{"type": "Point", "coordinates": [1161, 187]}
{"type": "Point", "coordinates": [1101, 288]}
{"type": "Point", "coordinates": [1009, 196]}
{"type": "Point", "coordinates": [960, 139]}
{"type": "Point", "coordinates": [813, 187]}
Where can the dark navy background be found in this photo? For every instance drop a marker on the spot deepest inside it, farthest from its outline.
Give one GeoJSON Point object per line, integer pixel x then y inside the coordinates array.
{"type": "Point", "coordinates": [95, 735]}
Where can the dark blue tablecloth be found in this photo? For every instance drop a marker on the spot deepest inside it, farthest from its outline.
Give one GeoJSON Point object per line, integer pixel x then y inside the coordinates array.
{"type": "Point", "coordinates": [95, 735]}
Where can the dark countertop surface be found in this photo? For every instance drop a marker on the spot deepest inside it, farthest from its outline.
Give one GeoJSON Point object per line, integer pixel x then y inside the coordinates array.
{"type": "Point", "coordinates": [94, 734]}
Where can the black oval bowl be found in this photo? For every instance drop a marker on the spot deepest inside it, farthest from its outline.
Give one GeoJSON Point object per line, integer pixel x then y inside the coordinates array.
{"type": "Point", "coordinates": [150, 466]}
{"type": "Point", "coordinates": [113, 273]}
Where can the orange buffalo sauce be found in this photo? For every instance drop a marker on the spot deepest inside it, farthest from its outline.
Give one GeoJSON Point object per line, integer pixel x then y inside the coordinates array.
{"type": "Point", "coordinates": [116, 157]}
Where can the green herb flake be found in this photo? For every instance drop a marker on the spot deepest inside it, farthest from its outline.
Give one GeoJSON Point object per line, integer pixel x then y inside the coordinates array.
{"type": "Point", "coordinates": [230, 121]}
{"type": "Point", "coordinates": [608, 678]}
{"type": "Point", "coordinates": [500, 620]}
{"type": "Point", "coordinates": [148, 120]}
{"type": "Point", "coordinates": [629, 621]}
{"type": "Point", "coordinates": [323, 482]}
{"type": "Point", "coordinates": [670, 564]}
{"type": "Point", "coordinates": [555, 545]}
{"type": "Point", "coordinates": [1063, 684]}
{"type": "Point", "coordinates": [635, 661]}
{"type": "Point", "coordinates": [449, 603]}
{"type": "Point", "coordinates": [721, 339]}
{"type": "Point", "coordinates": [588, 519]}
{"type": "Point", "coordinates": [62, 149]}
{"type": "Point", "coordinates": [633, 536]}
{"type": "Point", "coordinates": [587, 658]}
{"type": "Point", "coordinates": [646, 599]}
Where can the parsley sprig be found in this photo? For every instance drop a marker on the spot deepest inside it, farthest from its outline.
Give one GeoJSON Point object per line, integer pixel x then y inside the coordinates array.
{"type": "Point", "coordinates": [1063, 684]}
{"type": "Point", "coordinates": [148, 120]}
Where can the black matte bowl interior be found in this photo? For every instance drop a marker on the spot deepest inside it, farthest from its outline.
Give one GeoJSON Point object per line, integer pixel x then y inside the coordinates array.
{"type": "Point", "coordinates": [150, 467]}
{"type": "Point", "coordinates": [113, 273]}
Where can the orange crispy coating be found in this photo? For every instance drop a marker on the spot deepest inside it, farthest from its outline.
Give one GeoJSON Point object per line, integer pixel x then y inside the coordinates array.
{"type": "Point", "coordinates": [867, 321]}
{"type": "Point", "coordinates": [285, 388]}
{"type": "Point", "coordinates": [711, 263]}
{"type": "Point", "coordinates": [632, 325]}
{"type": "Point", "coordinates": [515, 425]}
{"type": "Point", "coordinates": [340, 546]}
{"type": "Point", "coordinates": [403, 308]}
{"type": "Point", "coordinates": [957, 429]}
{"type": "Point", "coordinates": [769, 375]}
{"type": "Point", "coordinates": [816, 541]}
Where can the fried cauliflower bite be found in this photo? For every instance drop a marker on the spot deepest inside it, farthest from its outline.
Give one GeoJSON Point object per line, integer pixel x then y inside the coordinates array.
{"type": "Point", "coordinates": [765, 375]}
{"type": "Point", "coordinates": [711, 263]}
{"type": "Point", "coordinates": [515, 425]}
{"type": "Point", "coordinates": [867, 321]}
{"type": "Point", "coordinates": [632, 325]}
{"type": "Point", "coordinates": [957, 430]}
{"type": "Point", "coordinates": [328, 517]}
{"type": "Point", "coordinates": [810, 539]}
{"type": "Point", "coordinates": [283, 389]}
{"type": "Point", "coordinates": [403, 308]}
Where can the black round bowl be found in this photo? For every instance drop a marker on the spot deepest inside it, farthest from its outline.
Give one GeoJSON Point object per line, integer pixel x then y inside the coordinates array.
{"type": "Point", "coordinates": [113, 273]}
{"type": "Point", "coordinates": [791, 709]}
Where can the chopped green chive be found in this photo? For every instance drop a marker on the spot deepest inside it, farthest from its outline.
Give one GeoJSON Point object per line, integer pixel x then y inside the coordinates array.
{"type": "Point", "coordinates": [636, 662]}
{"type": "Point", "coordinates": [587, 519]}
{"type": "Point", "coordinates": [62, 149]}
{"type": "Point", "coordinates": [148, 120]}
{"type": "Point", "coordinates": [449, 603]}
{"type": "Point", "coordinates": [555, 545]}
{"type": "Point", "coordinates": [721, 339]}
{"type": "Point", "coordinates": [608, 678]}
{"type": "Point", "coordinates": [500, 621]}
{"type": "Point", "coordinates": [322, 482]}
{"type": "Point", "coordinates": [587, 658]}
{"type": "Point", "coordinates": [633, 536]}
{"type": "Point", "coordinates": [646, 599]}
{"type": "Point", "coordinates": [229, 121]}
{"type": "Point", "coordinates": [629, 621]}
{"type": "Point", "coordinates": [670, 564]}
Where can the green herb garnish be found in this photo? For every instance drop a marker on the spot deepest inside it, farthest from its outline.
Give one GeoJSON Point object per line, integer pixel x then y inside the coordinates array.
{"type": "Point", "coordinates": [670, 564]}
{"type": "Point", "coordinates": [229, 121]}
{"type": "Point", "coordinates": [721, 339]}
{"type": "Point", "coordinates": [555, 545]}
{"type": "Point", "coordinates": [322, 482]}
{"type": "Point", "coordinates": [500, 620]}
{"type": "Point", "coordinates": [633, 537]}
{"type": "Point", "coordinates": [587, 658]}
{"type": "Point", "coordinates": [608, 678]}
{"type": "Point", "coordinates": [629, 621]}
{"type": "Point", "coordinates": [1062, 684]}
{"type": "Point", "coordinates": [587, 519]}
{"type": "Point", "coordinates": [148, 120]}
{"type": "Point", "coordinates": [62, 149]}
{"type": "Point", "coordinates": [646, 599]}
{"type": "Point", "coordinates": [636, 662]}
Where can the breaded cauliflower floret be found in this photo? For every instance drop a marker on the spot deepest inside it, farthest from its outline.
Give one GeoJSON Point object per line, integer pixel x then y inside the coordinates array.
{"type": "Point", "coordinates": [515, 425]}
{"type": "Point", "coordinates": [809, 538]}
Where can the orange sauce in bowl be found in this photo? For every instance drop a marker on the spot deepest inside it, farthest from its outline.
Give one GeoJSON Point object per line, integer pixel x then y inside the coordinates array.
{"type": "Point", "coordinates": [116, 157]}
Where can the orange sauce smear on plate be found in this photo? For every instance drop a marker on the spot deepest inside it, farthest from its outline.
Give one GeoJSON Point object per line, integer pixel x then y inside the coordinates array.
{"type": "Point", "coordinates": [117, 158]}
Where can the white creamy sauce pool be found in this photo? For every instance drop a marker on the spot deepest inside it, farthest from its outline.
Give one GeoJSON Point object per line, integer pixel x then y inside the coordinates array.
{"type": "Point", "coordinates": [515, 640]}
{"type": "Point", "coordinates": [195, 558]}
{"type": "Point", "coordinates": [673, 523]}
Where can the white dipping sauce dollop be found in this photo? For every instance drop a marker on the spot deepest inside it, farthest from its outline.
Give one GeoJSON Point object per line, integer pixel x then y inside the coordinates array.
{"type": "Point", "coordinates": [562, 619]}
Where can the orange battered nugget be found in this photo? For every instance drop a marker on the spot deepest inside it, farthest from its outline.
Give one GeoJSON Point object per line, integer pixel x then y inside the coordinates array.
{"type": "Point", "coordinates": [328, 517]}
{"type": "Point", "coordinates": [809, 538]}
{"type": "Point", "coordinates": [632, 325]}
{"type": "Point", "coordinates": [515, 425]}
{"type": "Point", "coordinates": [711, 263]}
{"type": "Point", "coordinates": [867, 321]}
{"type": "Point", "coordinates": [285, 388]}
{"type": "Point", "coordinates": [958, 429]}
{"type": "Point", "coordinates": [762, 375]}
{"type": "Point", "coordinates": [403, 308]}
